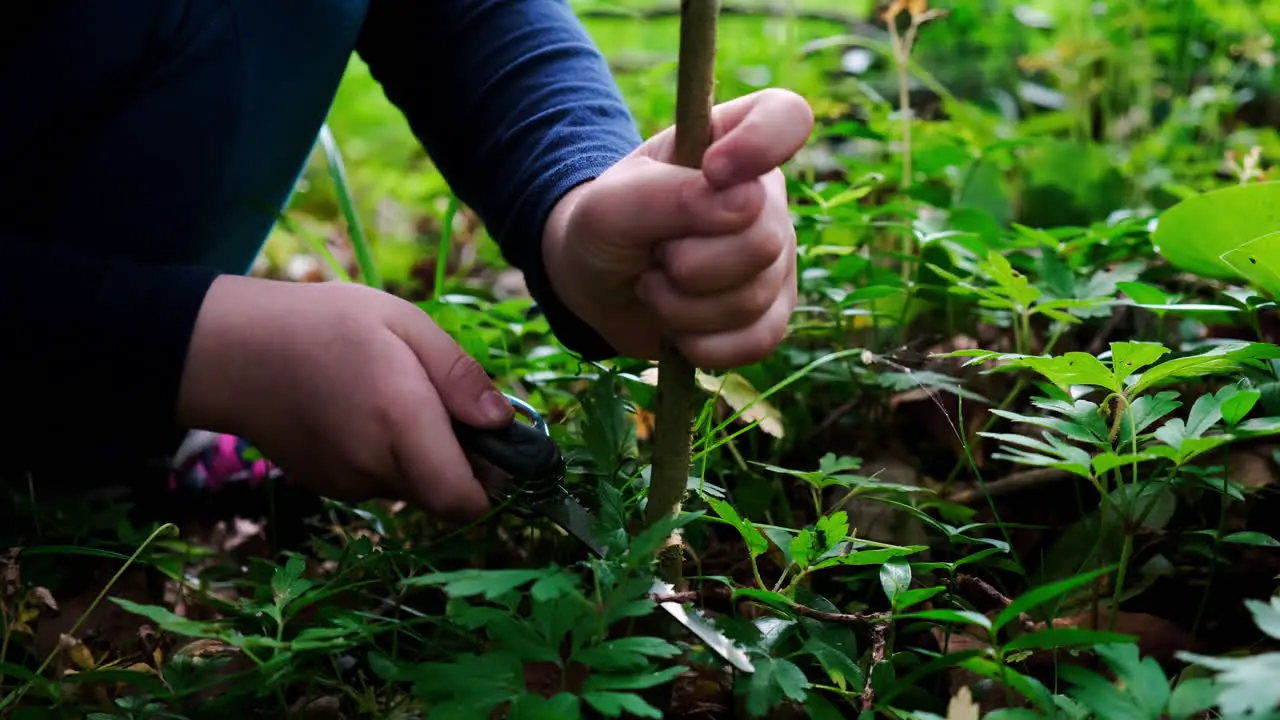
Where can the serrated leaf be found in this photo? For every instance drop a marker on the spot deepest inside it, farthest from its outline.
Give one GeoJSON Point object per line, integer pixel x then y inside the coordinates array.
{"type": "Point", "coordinates": [629, 653]}
{"type": "Point", "coordinates": [774, 680]}
{"type": "Point", "coordinates": [1074, 368]}
{"type": "Point", "coordinates": [611, 704]}
{"type": "Point", "coordinates": [1218, 359]}
{"type": "Point", "coordinates": [1192, 697]}
{"type": "Point", "coordinates": [491, 584]}
{"type": "Point", "coordinates": [1143, 677]}
{"type": "Point", "coordinates": [1248, 684]}
{"type": "Point", "coordinates": [802, 550]}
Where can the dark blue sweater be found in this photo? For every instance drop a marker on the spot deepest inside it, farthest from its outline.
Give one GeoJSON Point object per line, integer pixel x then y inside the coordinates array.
{"type": "Point", "coordinates": [150, 144]}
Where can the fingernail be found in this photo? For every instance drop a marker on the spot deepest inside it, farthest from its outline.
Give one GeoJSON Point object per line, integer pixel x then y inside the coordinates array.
{"type": "Point", "coordinates": [735, 200]}
{"type": "Point", "coordinates": [495, 407]}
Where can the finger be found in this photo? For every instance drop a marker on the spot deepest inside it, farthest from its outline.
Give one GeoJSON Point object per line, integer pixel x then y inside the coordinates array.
{"type": "Point", "coordinates": [464, 387]}
{"type": "Point", "coordinates": [707, 265]}
{"type": "Point", "coordinates": [430, 462]}
{"type": "Point", "coordinates": [755, 134]}
{"type": "Point", "coordinates": [733, 309]}
{"type": "Point", "coordinates": [645, 198]}
{"type": "Point", "coordinates": [743, 346]}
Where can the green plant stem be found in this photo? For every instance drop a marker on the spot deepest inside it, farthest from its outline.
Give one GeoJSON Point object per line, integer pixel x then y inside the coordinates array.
{"type": "Point", "coordinates": [342, 189]}
{"type": "Point", "coordinates": [446, 239]}
{"type": "Point", "coordinates": [672, 436]}
{"type": "Point", "coordinates": [1126, 554]}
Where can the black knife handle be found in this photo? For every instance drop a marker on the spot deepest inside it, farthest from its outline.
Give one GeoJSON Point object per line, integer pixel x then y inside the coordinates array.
{"type": "Point", "coordinates": [529, 456]}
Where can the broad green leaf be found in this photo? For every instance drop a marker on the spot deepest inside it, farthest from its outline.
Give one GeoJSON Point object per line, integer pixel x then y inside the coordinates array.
{"type": "Point", "coordinates": [1063, 638]}
{"type": "Point", "coordinates": [1037, 596]}
{"type": "Point", "coordinates": [1252, 537]}
{"type": "Point", "coordinates": [1107, 462]}
{"type": "Point", "coordinates": [1258, 262]}
{"type": "Point", "coordinates": [895, 578]}
{"type": "Point", "coordinates": [832, 529]}
{"type": "Point", "coordinates": [919, 595]}
{"type": "Point", "coordinates": [1142, 293]}
{"type": "Point", "coordinates": [1130, 357]}
{"type": "Point", "coordinates": [1266, 615]}
{"type": "Point", "coordinates": [1074, 368]}
{"type": "Point", "coordinates": [1238, 405]}
{"type": "Point", "coordinates": [532, 706]}
{"type": "Point", "coordinates": [1192, 697]}
{"type": "Point", "coordinates": [964, 617]}
{"type": "Point", "coordinates": [869, 557]}
{"type": "Point", "coordinates": [1194, 234]}
{"type": "Point", "coordinates": [1205, 413]}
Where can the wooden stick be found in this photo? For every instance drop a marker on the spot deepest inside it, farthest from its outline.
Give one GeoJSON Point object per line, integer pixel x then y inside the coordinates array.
{"type": "Point", "coordinates": [672, 434]}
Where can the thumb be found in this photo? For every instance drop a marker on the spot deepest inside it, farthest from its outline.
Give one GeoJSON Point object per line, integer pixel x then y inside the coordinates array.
{"type": "Point", "coordinates": [464, 388]}
{"type": "Point", "coordinates": [648, 199]}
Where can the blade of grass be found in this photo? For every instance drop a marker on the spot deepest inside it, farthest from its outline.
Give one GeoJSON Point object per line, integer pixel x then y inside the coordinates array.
{"type": "Point", "coordinates": [359, 241]}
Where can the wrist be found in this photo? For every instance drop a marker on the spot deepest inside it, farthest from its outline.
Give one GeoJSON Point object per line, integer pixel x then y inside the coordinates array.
{"type": "Point", "coordinates": [221, 356]}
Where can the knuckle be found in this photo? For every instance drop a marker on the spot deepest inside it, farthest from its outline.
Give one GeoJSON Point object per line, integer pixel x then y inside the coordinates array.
{"type": "Point", "coordinates": [466, 371]}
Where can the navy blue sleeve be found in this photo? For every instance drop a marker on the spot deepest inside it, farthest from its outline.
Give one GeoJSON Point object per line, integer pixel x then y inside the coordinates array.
{"type": "Point", "coordinates": [94, 350]}
{"type": "Point", "coordinates": [516, 106]}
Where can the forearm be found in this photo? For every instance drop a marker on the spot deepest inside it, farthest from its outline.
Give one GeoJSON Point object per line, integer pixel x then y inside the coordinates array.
{"type": "Point", "coordinates": [515, 105]}
{"type": "Point", "coordinates": [93, 354]}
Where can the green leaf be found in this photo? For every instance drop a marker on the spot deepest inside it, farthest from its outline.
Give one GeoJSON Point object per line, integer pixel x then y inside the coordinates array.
{"type": "Point", "coordinates": [817, 707]}
{"type": "Point", "coordinates": [532, 706]}
{"type": "Point", "coordinates": [1106, 462]}
{"type": "Point", "coordinates": [629, 653]}
{"type": "Point", "coordinates": [842, 670]}
{"type": "Point", "coordinates": [1063, 638]}
{"type": "Point", "coordinates": [1143, 677]}
{"type": "Point", "coordinates": [1074, 368]}
{"type": "Point", "coordinates": [1194, 234]}
{"type": "Point", "coordinates": [833, 529]}
{"type": "Point", "coordinates": [1205, 413]}
{"type": "Point", "coordinates": [1043, 594]}
{"type": "Point", "coordinates": [773, 681]}
{"type": "Point", "coordinates": [1266, 615]}
{"type": "Point", "coordinates": [1258, 262]}
{"type": "Point", "coordinates": [1143, 412]}
{"type": "Point", "coordinates": [1129, 357]}
{"type": "Point", "coordinates": [287, 583]}
{"type": "Point", "coordinates": [492, 584]}
{"type": "Point", "coordinates": [895, 578]}
{"type": "Point", "coordinates": [757, 544]}
{"type": "Point", "coordinates": [1142, 293]}
{"type": "Point", "coordinates": [802, 550]}
{"type": "Point", "coordinates": [632, 681]}
{"type": "Point", "coordinates": [1220, 358]}
{"type": "Point", "coordinates": [963, 617]}
{"type": "Point", "coordinates": [612, 704]}
{"type": "Point", "coordinates": [919, 595]}
{"type": "Point", "coordinates": [1238, 405]}
{"type": "Point", "coordinates": [1248, 684]}
{"type": "Point", "coordinates": [1252, 537]}
{"type": "Point", "coordinates": [1102, 697]}
{"type": "Point", "coordinates": [1192, 697]}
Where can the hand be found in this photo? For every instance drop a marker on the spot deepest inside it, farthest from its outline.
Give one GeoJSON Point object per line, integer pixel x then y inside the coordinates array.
{"type": "Point", "coordinates": [708, 258]}
{"type": "Point", "coordinates": [348, 389]}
